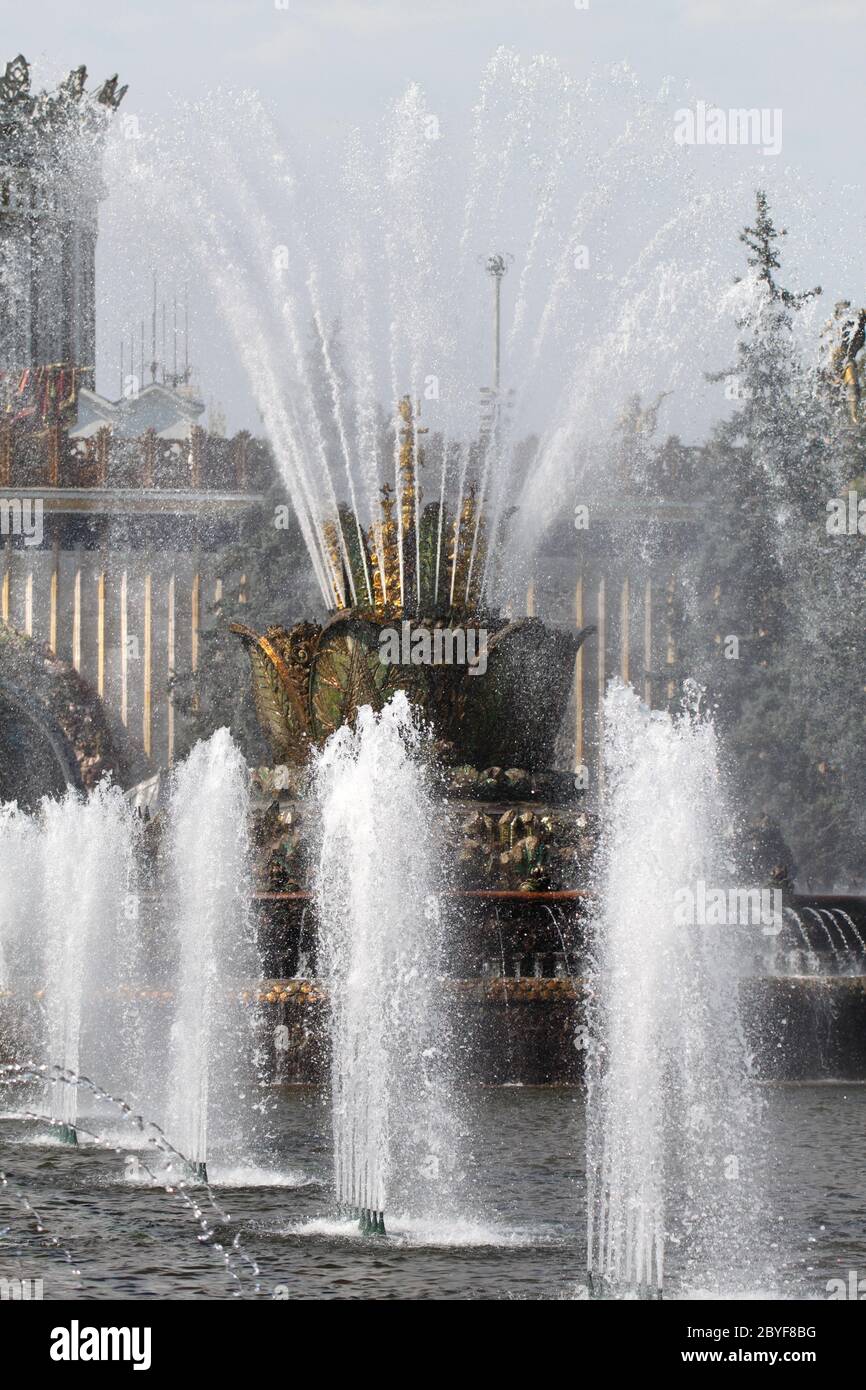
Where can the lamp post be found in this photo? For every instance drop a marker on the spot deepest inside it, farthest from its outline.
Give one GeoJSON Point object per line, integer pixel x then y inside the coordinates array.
{"type": "Point", "coordinates": [496, 266]}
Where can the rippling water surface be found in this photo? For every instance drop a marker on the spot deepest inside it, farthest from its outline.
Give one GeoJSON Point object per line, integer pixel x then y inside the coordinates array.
{"type": "Point", "coordinates": [109, 1232]}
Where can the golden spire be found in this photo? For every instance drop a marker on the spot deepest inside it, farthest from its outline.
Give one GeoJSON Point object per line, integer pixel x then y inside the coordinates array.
{"type": "Point", "coordinates": [410, 461]}
{"type": "Point", "coordinates": [460, 554]}
{"type": "Point", "coordinates": [332, 545]}
{"type": "Point", "coordinates": [392, 543]}
{"type": "Point", "coordinates": [411, 458]}
{"type": "Point", "coordinates": [386, 534]}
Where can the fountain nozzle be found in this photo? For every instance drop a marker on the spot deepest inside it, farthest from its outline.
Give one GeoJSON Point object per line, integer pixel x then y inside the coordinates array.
{"type": "Point", "coordinates": [371, 1223]}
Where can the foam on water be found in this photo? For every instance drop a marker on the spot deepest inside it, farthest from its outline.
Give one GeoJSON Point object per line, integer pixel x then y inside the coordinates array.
{"type": "Point", "coordinates": [219, 1175]}
{"type": "Point", "coordinates": [410, 1233]}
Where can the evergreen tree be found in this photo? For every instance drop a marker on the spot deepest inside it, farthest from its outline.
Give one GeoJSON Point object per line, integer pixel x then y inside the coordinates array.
{"type": "Point", "coordinates": [755, 462]}
{"type": "Point", "coordinates": [827, 596]}
{"type": "Point", "coordinates": [778, 606]}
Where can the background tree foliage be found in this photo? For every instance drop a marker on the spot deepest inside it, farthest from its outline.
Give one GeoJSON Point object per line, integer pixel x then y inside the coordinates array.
{"type": "Point", "coordinates": [776, 626]}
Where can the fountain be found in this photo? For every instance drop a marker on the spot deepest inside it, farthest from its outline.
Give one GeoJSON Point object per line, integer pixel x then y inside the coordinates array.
{"type": "Point", "coordinates": [88, 873]}
{"type": "Point", "coordinates": [114, 935]}
{"type": "Point", "coordinates": [670, 1109]}
{"type": "Point", "coordinates": [70, 873]}
{"type": "Point", "coordinates": [217, 963]}
{"type": "Point", "coordinates": [19, 856]}
{"type": "Point", "coordinates": [414, 867]}
{"type": "Point", "coordinates": [377, 889]}
{"type": "Point", "coordinates": [415, 631]}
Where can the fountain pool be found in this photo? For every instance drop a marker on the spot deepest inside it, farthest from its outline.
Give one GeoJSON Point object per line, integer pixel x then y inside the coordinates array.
{"type": "Point", "coordinates": [129, 1240]}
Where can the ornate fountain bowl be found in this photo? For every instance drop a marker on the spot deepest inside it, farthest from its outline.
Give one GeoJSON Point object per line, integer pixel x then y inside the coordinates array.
{"type": "Point", "coordinates": [505, 709]}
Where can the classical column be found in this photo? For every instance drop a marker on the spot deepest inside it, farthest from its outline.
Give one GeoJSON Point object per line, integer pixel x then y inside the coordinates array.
{"type": "Point", "coordinates": [671, 654]}
{"type": "Point", "coordinates": [100, 634]}
{"type": "Point", "coordinates": [54, 594]}
{"type": "Point", "coordinates": [624, 630]}
{"type": "Point", "coordinates": [195, 616]}
{"type": "Point", "coordinates": [601, 638]}
{"type": "Point", "coordinates": [7, 580]}
{"type": "Point", "coordinates": [76, 618]}
{"type": "Point", "coordinates": [147, 692]}
{"type": "Point", "coordinates": [171, 665]}
{"type": "Point", "coordinates": [124, 649]}
{"type": "Point", "coordinates": [28, 603]}
{"type": "Point", "coordinates": [648, 642]}
{"type": "Point", "coordinates": [578, 679]}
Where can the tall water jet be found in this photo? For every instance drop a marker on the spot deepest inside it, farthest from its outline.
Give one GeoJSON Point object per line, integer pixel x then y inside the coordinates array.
{"type": "Point", "coordinates": [87, 874]}
{"type": "Point", "coordinates": [669, 1159]}
{"type": "Point", "coordinates": [21, 968]}
{"type": "Point", "coordinates": [217, 966]}
{"type": "Point", "coordinates": [381, 939]}
{"type": "Point", "coordinates": [378, 249]}
{"type": "Point", "coordinates": [19, 886]}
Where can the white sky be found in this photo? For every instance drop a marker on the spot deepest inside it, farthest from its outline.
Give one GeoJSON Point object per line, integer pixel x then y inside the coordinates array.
{"type": "Point", "coordinates": [333, 61]}
{"type": "Point", "coordinates": [327, 65]}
